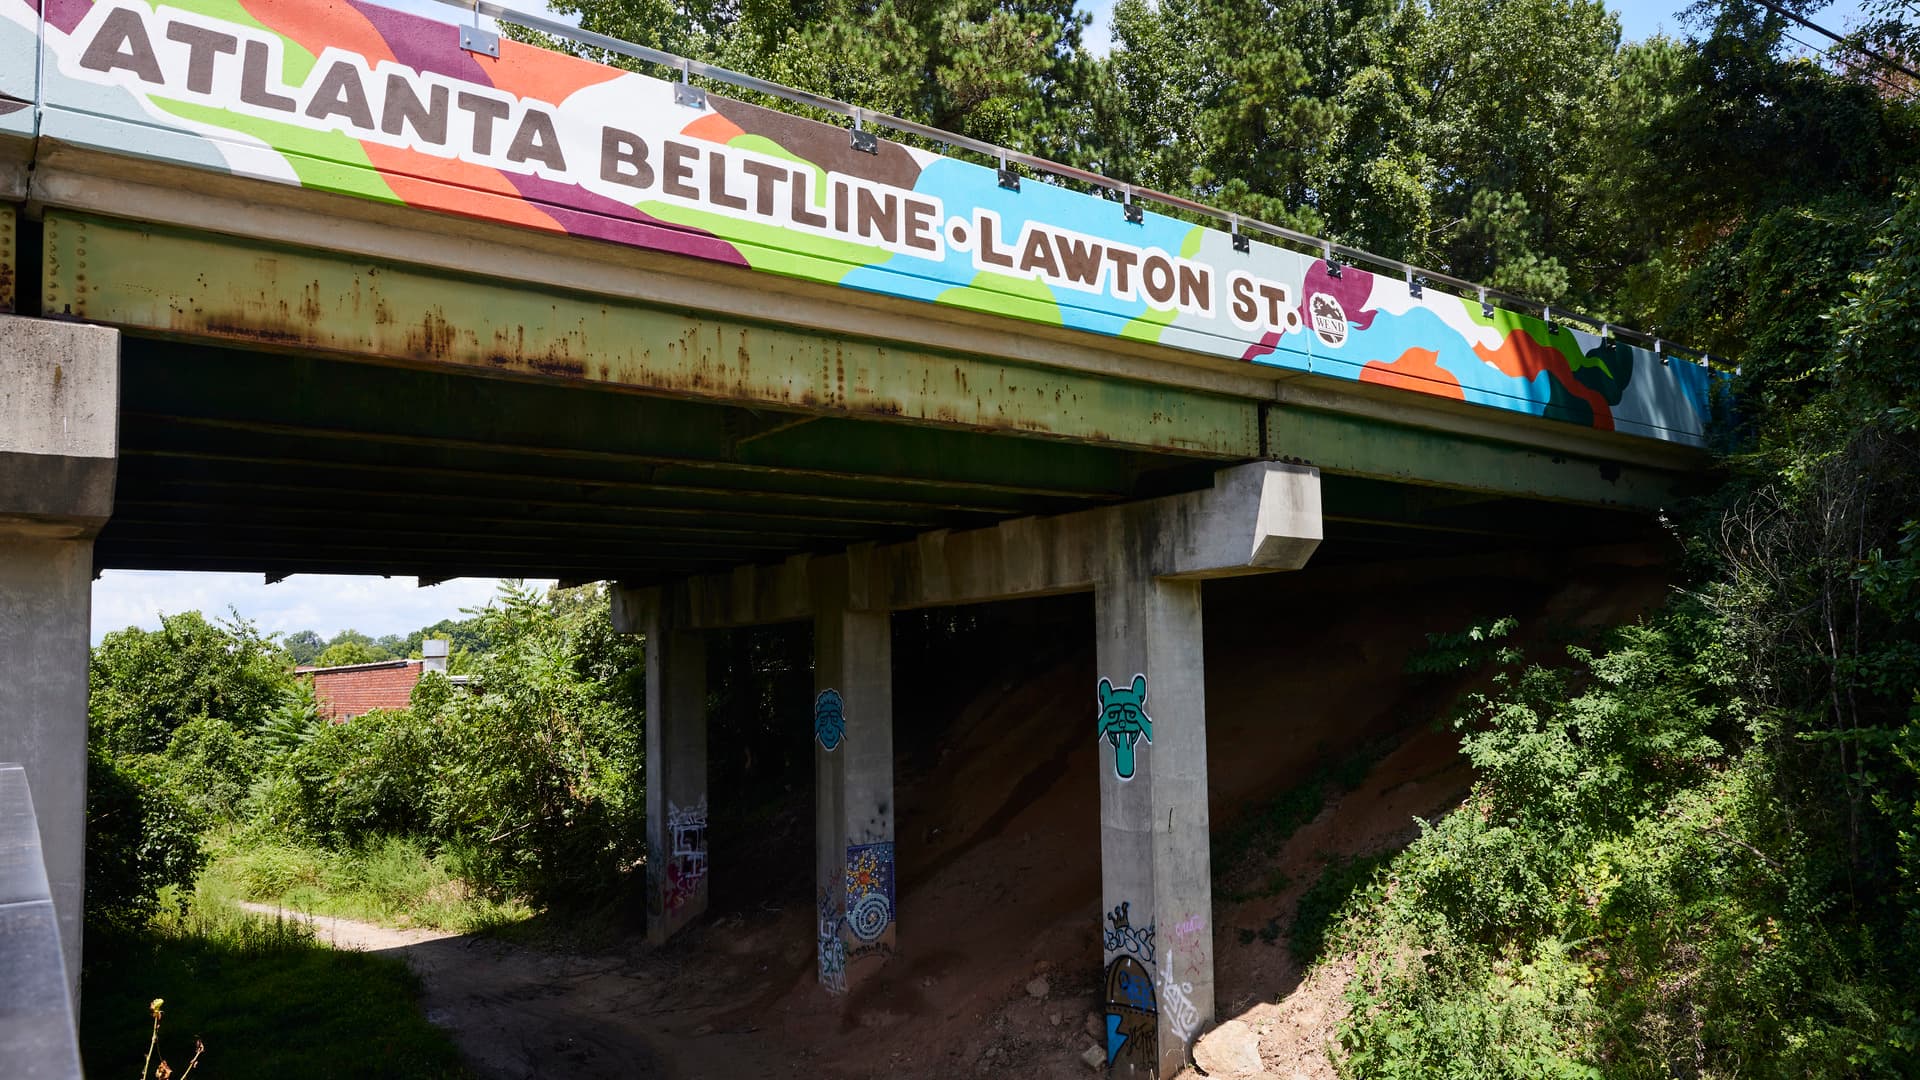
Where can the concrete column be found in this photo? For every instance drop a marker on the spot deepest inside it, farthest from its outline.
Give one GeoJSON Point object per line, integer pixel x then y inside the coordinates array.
{"type": "Point", "coordinates": [59, 440]}
{"type": "Point", "coordinates": [676, 764]}
{"type": "Point", "coordinates": [853, 790]}
{"type": "Point", "coordinates": [1155, 872]}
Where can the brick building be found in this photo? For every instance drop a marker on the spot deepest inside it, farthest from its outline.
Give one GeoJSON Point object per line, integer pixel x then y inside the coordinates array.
{"type": "Point", "coordinates": [355, 689]}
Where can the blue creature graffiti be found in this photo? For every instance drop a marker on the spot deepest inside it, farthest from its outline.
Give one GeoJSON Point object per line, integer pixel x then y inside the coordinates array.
{"type": "Point", "coordinates": [829, 719]}
{"type": "Point", "coordinates": [869, 890]}
{"type": "Point", "coordinates": [1124, 722]}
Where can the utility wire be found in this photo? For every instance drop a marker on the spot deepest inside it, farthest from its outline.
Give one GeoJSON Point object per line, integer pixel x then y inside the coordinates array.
{"type": "Point", "coordinates": [1884, 81]}
{"type": "Point", "coordinates": [1861, 49]}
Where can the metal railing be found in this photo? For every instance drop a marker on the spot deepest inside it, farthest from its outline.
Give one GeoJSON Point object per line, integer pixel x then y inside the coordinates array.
{"type": "Point", "coordinates": [37, 1037]}
{"type": "Point", "coordinates": [1333, 253]}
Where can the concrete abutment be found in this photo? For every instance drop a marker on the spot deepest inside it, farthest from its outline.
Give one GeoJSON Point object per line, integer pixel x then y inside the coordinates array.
{"type": "Point", "coordinates": [59, 438]}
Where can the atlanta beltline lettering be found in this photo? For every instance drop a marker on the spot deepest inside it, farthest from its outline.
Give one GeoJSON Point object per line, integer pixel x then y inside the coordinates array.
{"type": "Point", "coordinates": [168, 54]}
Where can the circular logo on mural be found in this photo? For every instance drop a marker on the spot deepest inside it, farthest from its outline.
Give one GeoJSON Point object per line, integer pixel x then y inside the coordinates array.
{"type": "Point", "coordinates": [829, 719]}
{"type": "Point", "coordinates": [1329, 319]}
{"type": "Point", "coordinates": [868, 916]}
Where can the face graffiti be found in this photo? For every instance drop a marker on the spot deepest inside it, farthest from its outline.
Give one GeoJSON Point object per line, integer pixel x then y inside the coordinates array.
{"type": "Point", "coordinates": [829, 719]}
{"type": "Point", "coordinates": [1124, 722]}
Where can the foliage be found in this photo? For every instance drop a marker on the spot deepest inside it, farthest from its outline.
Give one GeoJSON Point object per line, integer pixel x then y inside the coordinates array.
{"type": "Point", "coordinates": [391, 880]}
{"type": "Point", "coordinates": [264, 997]}
{"type": "Point", "coordinates": [344, 653]}
{"type": "Point", "coordinates": [143, 834]}
{"type": "Point", "coordinates": [539, 771]}
{"type": "Point", "coordinates": [143, 685]}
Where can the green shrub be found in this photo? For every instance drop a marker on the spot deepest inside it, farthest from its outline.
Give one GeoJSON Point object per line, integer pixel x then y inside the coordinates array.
{"type": "Point", "coordinates": [143, 834]}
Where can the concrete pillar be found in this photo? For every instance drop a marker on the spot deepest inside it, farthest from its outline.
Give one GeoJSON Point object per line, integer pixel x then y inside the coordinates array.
{"type": "Point", "coordinates": [1155, 870]}
{"type": "Point", "coordinates": [853, 790]}
{"type": "Point", "coordinates": [676, 764]}
{"type": "Point", "coordinates": [59, 441]}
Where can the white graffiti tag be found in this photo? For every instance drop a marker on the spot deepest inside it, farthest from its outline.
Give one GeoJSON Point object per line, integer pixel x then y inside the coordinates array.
{"type": "Point", "coordinates": [1176, 1002]}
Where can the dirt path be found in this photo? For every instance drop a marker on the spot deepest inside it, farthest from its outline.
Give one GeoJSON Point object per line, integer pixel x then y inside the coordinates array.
{"type": "Point", "coordinates": [517, 1013]}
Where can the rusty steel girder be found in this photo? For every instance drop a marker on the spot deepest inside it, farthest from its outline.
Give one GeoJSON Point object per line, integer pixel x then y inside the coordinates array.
{"type": "Point", "coordinates": [206, 286]}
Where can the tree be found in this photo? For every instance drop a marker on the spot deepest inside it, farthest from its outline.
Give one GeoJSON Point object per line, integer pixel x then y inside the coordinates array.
{"type": "Point", "coordinates": [143, 685]}
{"type": "Point", "coordinates": [303, 646]}
{"type": "Point", "coordinates": [343, 653]}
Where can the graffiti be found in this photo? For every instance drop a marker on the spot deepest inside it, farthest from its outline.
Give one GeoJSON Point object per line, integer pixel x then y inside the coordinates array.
{"type": "Point", "coordinates": [1124, 722]}
{"type": "Point", "coordinates": [1133, 1038]}
{"type": "Point", "coordinates": [829, 719]}
{"type": "Point", "coordinates": [832, 952]}
{"type": "Point", "coordinates": [1177, 998]}
{"type": "Point", "coordinates": [687, 865]}
{"type": "Point", "coordinates": [869, 890]}
{"type": "Point", "coordinates": [1123, 936]}
{"type": "Point", "coordinates": [1187, 938]}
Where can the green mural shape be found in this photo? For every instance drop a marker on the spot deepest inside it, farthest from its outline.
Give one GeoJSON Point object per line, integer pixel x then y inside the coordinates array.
{"type": "Point", "coordinates": [1124, 722]}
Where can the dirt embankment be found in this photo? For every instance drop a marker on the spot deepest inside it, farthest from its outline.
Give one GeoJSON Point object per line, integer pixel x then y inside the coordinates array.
{"type": "Point", "coordinates": [998, 847]}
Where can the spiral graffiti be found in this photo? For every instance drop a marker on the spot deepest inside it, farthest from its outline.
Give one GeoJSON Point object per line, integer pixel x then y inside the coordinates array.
{"type": "Point", "coordinates": [868, 916]}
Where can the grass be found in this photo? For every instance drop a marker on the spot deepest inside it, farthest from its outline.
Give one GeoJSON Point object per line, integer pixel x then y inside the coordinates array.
{"type": "Point", "coordinates": [391, 882]}
{"type": "Point", "coordinates": [262, 994]}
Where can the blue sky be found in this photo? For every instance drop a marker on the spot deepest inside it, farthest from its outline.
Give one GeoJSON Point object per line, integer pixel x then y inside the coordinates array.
{"type": "Point", "coordinates": [396, 606]}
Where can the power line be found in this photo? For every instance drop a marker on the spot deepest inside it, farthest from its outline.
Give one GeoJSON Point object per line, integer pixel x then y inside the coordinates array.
{"type": "Point", "coordinates": [1884, 81]}
{"type": "Point", "coordinates": [1818, 29]}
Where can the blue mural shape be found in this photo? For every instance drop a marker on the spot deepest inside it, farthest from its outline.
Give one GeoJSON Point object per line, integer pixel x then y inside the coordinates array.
{"type": "Point", "coordinates": [869, 890]}
{"type": "Point", "coordinates": [1124, 722]}
{"type": "Point", "coordinates": [829, 719]}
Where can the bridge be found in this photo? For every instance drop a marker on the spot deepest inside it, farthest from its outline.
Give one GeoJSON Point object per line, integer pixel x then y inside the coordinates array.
{"type": "Point", "coordinates": [316, 286]}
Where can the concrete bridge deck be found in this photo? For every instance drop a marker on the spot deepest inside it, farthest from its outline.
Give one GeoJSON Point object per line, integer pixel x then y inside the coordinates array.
{"type": "Point", "coordinates": [299, 286]}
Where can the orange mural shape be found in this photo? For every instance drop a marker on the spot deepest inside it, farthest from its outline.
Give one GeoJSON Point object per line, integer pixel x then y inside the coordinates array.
{"type": "Point", "coordinates": [530, 71]}
{"type": "Point", "coordinates": [1524, 358]}
{"type": "Point", "coordinates": [314, 27]}
{"type": "Point", "coordinates": [1417, 369]}
{"type": "Point", "coordinates": [714, 128]}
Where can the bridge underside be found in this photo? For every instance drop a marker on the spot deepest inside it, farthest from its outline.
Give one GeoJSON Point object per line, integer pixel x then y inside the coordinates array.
{"type": "Point", "coordinates": [284, 463]}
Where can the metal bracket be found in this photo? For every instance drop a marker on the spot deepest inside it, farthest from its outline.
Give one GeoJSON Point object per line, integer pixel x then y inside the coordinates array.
{"type": "Point", "coordinates": [1415, 286]}
{"type": "Point", "coordinates": [1008, 178]}
{"type": "Point", "coordinates": [1486, 309]}
{"type": "Point", "coordinates": [1240, 241]}
{"type": "Point", "coordinates": [861, 139]}
{"type": "Point", "coordinates": [475, 40]}
{"type": "Point", "coordinates": [1326, 253]}
{"type": "Point", "coordinates": [685, 93]}
{"type": "Point", "coordinates": [1134, 214]}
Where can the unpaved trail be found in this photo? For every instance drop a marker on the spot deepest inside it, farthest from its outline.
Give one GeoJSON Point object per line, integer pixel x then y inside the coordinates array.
{"type": "Point", "coordinates": [516, 1012]}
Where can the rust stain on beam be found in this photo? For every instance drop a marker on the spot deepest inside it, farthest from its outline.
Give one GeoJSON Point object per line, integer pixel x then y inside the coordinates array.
{"type": "Point", "coordinates": [204, 286]}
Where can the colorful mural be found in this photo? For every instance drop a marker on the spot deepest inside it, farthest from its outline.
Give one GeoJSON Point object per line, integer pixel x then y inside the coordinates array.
{"type": "Point", "coordinates": [345, 96]}
{"type": "Point", "coordinates": [1124, 722]}
{"type": "Point", "coordinates": [869, 891]}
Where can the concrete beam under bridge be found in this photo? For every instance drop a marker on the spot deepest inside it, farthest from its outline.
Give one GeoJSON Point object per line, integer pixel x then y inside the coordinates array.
{"type": "Point", "coordinates": [59, 411]}
{"type": "Point", "coordinates": [1144, 562]}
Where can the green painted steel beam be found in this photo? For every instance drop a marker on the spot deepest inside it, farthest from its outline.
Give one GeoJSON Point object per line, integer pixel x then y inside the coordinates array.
{"type": "Point", "coordinates": [1342, 445]}
{"type": "Point", "coordinates": [587, 428]}
{"type": "Point", "coordinates": [207, 287]}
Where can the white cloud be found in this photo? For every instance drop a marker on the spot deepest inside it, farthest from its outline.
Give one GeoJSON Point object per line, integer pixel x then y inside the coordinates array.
{"type": "Point", "coordinates": [320, 602]}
